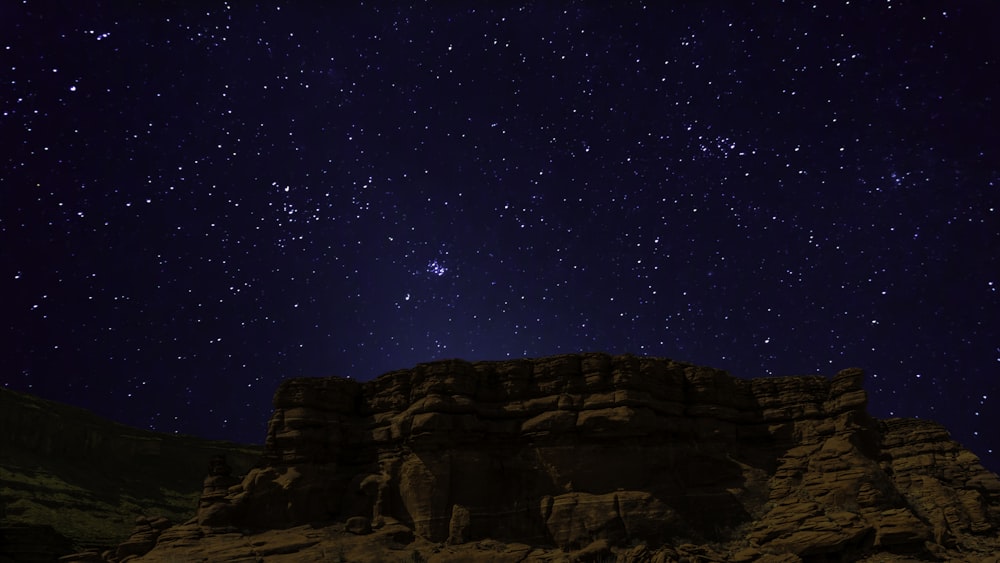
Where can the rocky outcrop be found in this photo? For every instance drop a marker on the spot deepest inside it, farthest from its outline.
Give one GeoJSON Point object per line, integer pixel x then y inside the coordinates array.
{"type": "Point", "coordinates": [90, 478]}
{"type": "Point", "coordinates": [143, 538]}
{"type": "Point", "coordinates": [943, 483]}
{"type": "Point", "coordinates": [591, 456]}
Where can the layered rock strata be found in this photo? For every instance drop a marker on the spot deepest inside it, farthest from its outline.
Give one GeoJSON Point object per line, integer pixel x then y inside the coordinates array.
{"type": "Point", "coordinates": [613, 456]}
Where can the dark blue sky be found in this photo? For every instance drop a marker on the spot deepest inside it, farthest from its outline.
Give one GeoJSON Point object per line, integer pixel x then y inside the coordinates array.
{"type": "Point", "coordinates": [201, 199]}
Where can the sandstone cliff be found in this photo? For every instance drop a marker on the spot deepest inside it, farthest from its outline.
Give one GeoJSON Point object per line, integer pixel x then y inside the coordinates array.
{"type": "Point", "coordinates": [65, 472]}
{"type": "Point", "coordinates": [592, 457]}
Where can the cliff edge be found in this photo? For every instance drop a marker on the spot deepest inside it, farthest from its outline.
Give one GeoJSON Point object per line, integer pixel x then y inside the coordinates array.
{"type": "Point", "coordinates": [592, 457]}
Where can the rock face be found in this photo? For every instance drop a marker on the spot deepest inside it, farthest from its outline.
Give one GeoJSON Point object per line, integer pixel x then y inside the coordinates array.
{"type": "Point", "coordinates": [595, 457]}
{"type": "Point", "coordinates": [143, 538]}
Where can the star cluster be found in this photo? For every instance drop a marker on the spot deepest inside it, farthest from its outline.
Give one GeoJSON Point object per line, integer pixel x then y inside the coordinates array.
{"type": "Point", "coordinates": [200, 200]}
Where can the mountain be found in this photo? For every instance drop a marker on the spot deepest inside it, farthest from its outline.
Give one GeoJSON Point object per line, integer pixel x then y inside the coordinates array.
{"type": "Point", "coordinates": [585, 457]}
{"type": "Point", "coordinates": [70, 480]}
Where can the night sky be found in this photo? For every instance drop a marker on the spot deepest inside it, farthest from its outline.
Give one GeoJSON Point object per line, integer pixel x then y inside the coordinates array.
{"type": "Point", "coordinates": [201, 199]}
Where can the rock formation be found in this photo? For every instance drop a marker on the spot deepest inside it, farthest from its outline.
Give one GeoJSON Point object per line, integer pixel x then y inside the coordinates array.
{"type": "Point", "coordinates": [143, 538]}
{"type": "Point", "coordinates": [593, 457]}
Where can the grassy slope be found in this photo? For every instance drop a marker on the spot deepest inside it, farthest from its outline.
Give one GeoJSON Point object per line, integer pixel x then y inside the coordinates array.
{"type": "Point", "coordinates": [89, 477]}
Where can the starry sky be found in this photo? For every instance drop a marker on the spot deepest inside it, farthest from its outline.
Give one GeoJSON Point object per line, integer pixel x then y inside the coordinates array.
{"type": "Point", "coordinates": [201, 199]}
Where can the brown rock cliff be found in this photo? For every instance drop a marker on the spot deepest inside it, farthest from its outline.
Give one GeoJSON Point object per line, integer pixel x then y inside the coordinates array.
{"type": "Point", "coordinates": [595, 456]}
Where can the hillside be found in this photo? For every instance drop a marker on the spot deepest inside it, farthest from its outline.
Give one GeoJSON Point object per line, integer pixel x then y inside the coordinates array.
{"type": "Point", "coordinates": [89, 478]}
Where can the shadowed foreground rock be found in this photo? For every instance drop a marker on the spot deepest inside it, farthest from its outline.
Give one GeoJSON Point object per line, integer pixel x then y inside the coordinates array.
{"type": "Point", "coordinates": [592, 457]}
